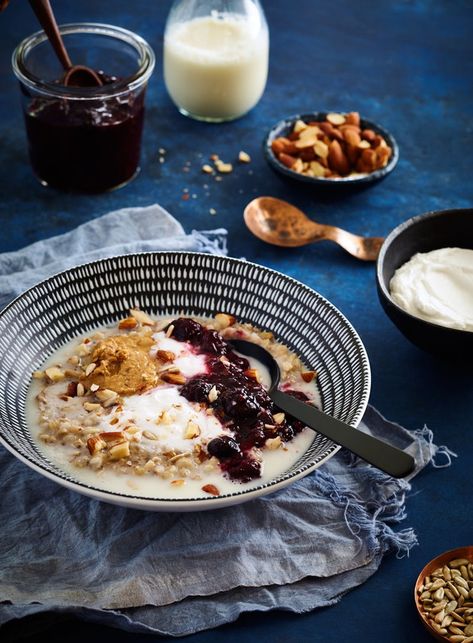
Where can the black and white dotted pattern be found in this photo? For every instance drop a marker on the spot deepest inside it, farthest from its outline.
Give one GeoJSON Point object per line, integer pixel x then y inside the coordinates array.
{"type": "Point", "coordinates": [170, 283]}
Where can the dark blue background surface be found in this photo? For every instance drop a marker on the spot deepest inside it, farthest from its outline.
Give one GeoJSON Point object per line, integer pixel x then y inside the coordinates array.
{"type": "Point", "coordinates": [407, 65]}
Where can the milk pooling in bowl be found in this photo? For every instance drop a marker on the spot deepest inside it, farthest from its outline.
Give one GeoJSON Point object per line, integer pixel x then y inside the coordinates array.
{"type": "Point", "coordinates": [216, 66]}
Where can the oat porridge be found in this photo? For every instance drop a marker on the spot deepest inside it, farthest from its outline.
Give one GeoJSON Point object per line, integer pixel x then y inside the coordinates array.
{"type": "Point", "coordinates": [165, 408]}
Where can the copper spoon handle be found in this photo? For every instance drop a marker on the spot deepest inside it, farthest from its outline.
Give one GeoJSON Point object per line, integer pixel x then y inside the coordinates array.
{"type": "Point", "coordinates": [46, 19]}
{"type": "Point", "coordinates": [364, 248]}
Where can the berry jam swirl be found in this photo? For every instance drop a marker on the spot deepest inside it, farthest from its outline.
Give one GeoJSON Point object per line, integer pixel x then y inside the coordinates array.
{"type": "Point", "coordinates": [238, 400]}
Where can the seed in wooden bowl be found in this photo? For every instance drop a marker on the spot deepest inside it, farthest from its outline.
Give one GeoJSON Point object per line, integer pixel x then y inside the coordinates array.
{"type": "Point", "coordinates": [445, 600]}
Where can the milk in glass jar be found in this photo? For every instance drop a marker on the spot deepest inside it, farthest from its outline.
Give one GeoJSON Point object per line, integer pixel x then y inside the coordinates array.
{"type": "Point", "coordinates": [216, 57]}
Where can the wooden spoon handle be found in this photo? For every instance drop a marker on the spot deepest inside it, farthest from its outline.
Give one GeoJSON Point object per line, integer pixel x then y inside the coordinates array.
{"type": "Point", "coordinates": [46, 18]}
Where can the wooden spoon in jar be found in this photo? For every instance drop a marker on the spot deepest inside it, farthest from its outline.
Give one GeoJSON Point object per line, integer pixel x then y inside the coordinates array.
{"type": "Point", "coordinates": [76, 75]}
{"type": "Point", "coordinates": [280, 223]}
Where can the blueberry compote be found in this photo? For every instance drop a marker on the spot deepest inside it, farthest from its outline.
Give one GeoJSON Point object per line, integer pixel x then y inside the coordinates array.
{"type": "Point", "coordinates": [241, 404]}
{"type": "Point", "coordinates": [86, 145]}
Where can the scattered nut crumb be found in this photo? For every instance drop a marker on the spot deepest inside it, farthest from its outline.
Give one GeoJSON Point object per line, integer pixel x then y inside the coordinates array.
{"type": "Point", "coordinates": [244, 157]}
{"type": "Point", "coordinates": [223, 168]}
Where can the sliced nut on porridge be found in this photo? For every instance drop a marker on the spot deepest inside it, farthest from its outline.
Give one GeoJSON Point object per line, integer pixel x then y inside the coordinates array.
{"type": "Point", "coordinates": [38, 375]}
{"type": "Point", "coordinates": [308, 376]}
{"type": "Point", "coordinates": [166, 356]}
{"type": "Point", "coordinates": [84, 349]}
{"type": "Point", "coordinates": [149, 435]}
{"type": "Point", "coordinates": [192, 430]}
{"type": "Point", "coordinates": [112, 436]}
{"type": "Point", "coordinates": [71, 389]}
{"type": "Point", "coordinates": [173, 378]}
{"type": "Point", "coordinates": [169, 369]}
{"type": "Point", "coordinates": [177, 483]}
{"type": "Point", "coordinates": [213, 394]}
{"type": "Point", "coordinates": [211, 488]}
{"type": "Point", "coordinates": [55, 374]}
{"type": "Point", "coordinates": [96, 462]}
{"type": "Point", "coordinates": [90, 369]}
{"type": "Point", "coordinates": [179, 455]}
{"type": "Point", "coordinates": [120, 450]}
{"type": "Point", "coordinates": [141, 317]}
{"type": "Point", "coordinates": [128, 323]}
{"type": "Point", "coordinates": [279, 418]}
{"type": "Point", "coordinates": [72, 373]}
{"type": "Point", "coordinates": [91, 406]}
{"type": "Point", "coordinates": [273, 443]}
{"type": "Point", "coordinates": [94, 387]}
{"type": "Point", "coordinates": [105, 395]}
{"type": "Point", "coordinates": [253, 374]}
{"type": "Point", "coordinates": [95, 444]}
{"type": "Point", "coordinates": [224, 321]}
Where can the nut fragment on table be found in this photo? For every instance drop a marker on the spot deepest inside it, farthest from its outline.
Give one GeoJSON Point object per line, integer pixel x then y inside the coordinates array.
{"type": "Point", "coordinates": [332, 148]}
{"type": "Point", "coordinates": [446, 600]}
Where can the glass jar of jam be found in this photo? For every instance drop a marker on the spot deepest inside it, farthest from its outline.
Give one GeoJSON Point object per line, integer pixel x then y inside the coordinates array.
{"type": "Point", "coordinates": [85, 139]}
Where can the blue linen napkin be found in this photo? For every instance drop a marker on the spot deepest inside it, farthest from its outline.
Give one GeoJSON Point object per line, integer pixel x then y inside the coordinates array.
{"type": "Point", "coordinates": [177, 574]}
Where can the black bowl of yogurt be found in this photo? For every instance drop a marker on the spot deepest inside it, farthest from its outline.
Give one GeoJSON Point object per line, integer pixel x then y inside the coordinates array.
{"type": "Point", "coordinates": [425, 281]}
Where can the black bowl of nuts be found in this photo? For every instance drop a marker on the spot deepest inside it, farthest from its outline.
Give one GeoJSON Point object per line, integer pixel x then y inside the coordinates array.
{"type": "Point", "coordinates": [443, 596]}
{"type": "Point", "coordinates": [331, 149]}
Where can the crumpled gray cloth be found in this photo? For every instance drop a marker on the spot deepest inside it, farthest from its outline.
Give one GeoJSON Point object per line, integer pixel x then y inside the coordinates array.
{"type": "Point", "coordinates": [123, 231]}
{"type": "Point", "coordinates": [297, 549]}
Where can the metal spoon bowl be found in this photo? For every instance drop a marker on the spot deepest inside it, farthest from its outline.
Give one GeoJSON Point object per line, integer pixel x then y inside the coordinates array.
{"type": "Point", "coordinates": [282, 224]}
{"type": "Point", "coordinates": [389, 459]}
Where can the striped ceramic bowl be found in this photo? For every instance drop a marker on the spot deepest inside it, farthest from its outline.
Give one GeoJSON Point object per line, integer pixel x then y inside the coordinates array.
{"type": "Point", "coordinates": [97, 294]}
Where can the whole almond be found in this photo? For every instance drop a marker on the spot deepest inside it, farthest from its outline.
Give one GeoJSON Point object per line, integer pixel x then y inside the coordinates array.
{"type": "Point", "coordinates": [211, 489]}
{"type": "Point", "coordinates": [368, 135]}
{"type": "Point", "coordinates": [331, 131]}
{"type": "Point", "coordinates": [128, 323]}
{"type": "Point", "coordinates": [369, 158]}
{"type": "Point", "coordinates": [352, 137]}
{"type": "Point", "coordinates": [278, 145]}
{"type": "Point", "coordinates": [353, 118]}
{"type": "Point", "coordinates": [287, 160]}
{"type": "Point", "coordinates": [353, 154]}
{"type": "Point", "coordinates": [337, 159]}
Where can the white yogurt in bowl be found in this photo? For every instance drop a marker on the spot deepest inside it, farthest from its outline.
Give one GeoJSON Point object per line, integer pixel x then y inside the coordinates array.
{"type": "Point", "coordinates": [437, 286]}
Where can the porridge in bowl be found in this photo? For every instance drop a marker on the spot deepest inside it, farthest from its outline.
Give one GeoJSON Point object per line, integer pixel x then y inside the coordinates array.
{"type": "Point", "coordinates": [165, 408]}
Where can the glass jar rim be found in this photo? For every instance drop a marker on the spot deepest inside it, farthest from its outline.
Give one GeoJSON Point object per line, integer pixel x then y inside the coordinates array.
{"type": "Point", "coordinates": [123, 86]}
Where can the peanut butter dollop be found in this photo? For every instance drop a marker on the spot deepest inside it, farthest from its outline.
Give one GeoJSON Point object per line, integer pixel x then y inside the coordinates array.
{"type": "Point", "coordinates": [123, 364]}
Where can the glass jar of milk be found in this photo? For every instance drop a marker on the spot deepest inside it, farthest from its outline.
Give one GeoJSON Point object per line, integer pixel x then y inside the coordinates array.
{"type": "Point", "coordinates": [216, 57]}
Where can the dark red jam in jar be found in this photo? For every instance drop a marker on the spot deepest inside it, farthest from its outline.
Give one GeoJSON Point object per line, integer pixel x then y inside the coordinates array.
{"type": "Point", "coordinates": [89, 146]}
{"type": "Point", "coordinates": [86, 139]}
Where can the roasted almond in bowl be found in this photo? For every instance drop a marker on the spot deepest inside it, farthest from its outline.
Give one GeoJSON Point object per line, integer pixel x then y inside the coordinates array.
{"type": "Point", "coordinates": [331, 148]}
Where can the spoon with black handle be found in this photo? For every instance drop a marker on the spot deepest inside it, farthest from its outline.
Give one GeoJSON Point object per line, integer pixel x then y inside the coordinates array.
{"type": "Point", "coordinates": [389, 459]}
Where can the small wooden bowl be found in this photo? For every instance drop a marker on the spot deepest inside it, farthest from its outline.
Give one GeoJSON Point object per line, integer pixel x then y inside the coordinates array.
{"type": "Point", "coordinates": [439, 561]}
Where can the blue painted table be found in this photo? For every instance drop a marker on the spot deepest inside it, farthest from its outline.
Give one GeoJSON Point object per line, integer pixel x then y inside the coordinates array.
{"type": "Point", "coordinates": [407, 65]}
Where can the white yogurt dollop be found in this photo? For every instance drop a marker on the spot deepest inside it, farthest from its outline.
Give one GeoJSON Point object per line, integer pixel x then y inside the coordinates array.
{"type": "Point", "coordinates": [437, 286]}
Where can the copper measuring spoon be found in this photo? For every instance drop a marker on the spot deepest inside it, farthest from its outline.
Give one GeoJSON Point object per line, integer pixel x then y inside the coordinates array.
{"type": "Point", "coordinates": [76, 75]}
{"type": "Point", "coordinates": [282, 224]}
